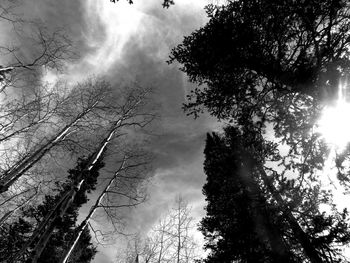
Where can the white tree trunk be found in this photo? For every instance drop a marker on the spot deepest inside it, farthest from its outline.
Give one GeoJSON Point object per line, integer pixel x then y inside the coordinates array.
{"type": "Point", "coordinates": [85, 222]}
{"type": "Point", "coordinates": [10, 176]}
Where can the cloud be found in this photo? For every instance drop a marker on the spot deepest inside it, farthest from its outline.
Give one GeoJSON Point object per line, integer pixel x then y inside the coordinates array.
{"type": "Point", "coordinates": [106, 256]}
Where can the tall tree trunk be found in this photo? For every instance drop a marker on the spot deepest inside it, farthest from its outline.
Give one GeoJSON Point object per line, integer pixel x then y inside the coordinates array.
{"type": "Point", "coordinates": [85, 222]}
{"type": "Point", "coordinates": [66, 200]}
{"type": "Point", "coordinates": [299, 233]}
{"type": "Point", "coordinates": [45, 229]}
{"type": "Point", "coordinates": [41, 231]}
{"type": "Point", "coordinates": [178, 234]}
{"type": "Point", "coordinates": [41, 244]}
{"type": "Point", "coordinates": [264, 228]}
{"type": "Point", "coordinates": [161, 247]}
{"type": "Point", "coordinates": [10, 176]}
{"type": "Point", "coordinates": [19, 131]}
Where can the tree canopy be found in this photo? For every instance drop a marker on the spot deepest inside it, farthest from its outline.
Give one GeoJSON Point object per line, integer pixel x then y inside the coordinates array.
{"type": "Point", "coordinates": [261, 66]}
{"type": "Point", "coordinates": [250, 51]}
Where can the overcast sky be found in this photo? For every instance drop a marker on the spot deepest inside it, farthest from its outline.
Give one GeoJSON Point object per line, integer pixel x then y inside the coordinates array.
{"type": "Point", "coordinates": [132, 43]}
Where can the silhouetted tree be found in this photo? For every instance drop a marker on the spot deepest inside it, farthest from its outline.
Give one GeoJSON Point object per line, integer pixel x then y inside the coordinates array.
{"type": "Point", "coordinates": [266, 65]}
{"type": "Point", "coordinates": [247, 218]}
{"type": "Point", "coordinates": [237, 225]}
{"type": "Point", "coordinates": [271, 62]}
{"type": "Point", "coordinates": [250, 49]}
{"type": "Point", "coordinates": [15, 235]}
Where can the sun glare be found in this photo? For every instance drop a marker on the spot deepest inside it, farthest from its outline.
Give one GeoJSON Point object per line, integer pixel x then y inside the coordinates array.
{"type": "Point", "coordinates": [334, 124]}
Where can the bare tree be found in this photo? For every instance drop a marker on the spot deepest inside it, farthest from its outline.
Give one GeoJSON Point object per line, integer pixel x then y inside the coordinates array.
{"type": "Point", "coordinates": [170, 240]}
{"type": "Point", "coordinates": [93, 208]}
{"type": "Point", "coordinates": [130, 113]}
{"type": "Point", "coordinates": [124, 185]}
{"type": "Point", "coordinates": [32, 47]}
{"type": "Point", "coordinates": [93, 100]}
{"type": "Point", "coordinates": [27, 196]}
{"type": "Point", "coordinates": [180, 232]}
{"type": "Point", "coordinates": [25, 113]}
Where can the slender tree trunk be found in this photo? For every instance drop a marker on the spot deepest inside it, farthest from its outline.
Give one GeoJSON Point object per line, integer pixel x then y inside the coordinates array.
{"type": "Point", "coordinates": [19, 131]}
{"type": "Point", "coordinates": [178, 234]}
{"type": "Point", "coordinates": [161, 247]}
{"type": "Point", "coordinates": [41, 230]}
{"type": "Point", "coordinates": [85, 222]}
{"type": "Point", "coordinates": [10, 176]}
{"type": "Point", "coordinates": [45, 229]}
{"type": "Point", "coordinates": [66, 200]}
{"type": "Point", "coordinates": [299, 233]}
{"type": "Point", "coordinates": [40, 246]}
{"type": "Point", "coordinates": [265, 230]}
{"type": "Point", "coordinates": [9, 213]}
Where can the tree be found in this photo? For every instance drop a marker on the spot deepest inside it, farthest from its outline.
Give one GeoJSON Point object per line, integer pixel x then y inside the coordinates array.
{"type": "Point", "coordinates": [253, 49]}
{"type": "Point", "coordinates": [15, 235]}
{"type": "Point", "coordinates": [131, 113]}
{"type": "Point", "coordinates": [246, 218]}
{"type": "Point", "coordinates": [17, 169]}
{"type": "Point", "coordinates": [182, 224]}
{"type": "Point", "coordinates": [22, 115]}
{"type": "Point", "coordinates": [275, 63]}
{"type": "Point", "coordinates": [43, 48]}
{"type": "Point", "coordinates": [127, 171]}
{"type": "Point", "coordinates": [267, 65]}
{"type": "Point", "coordinates": [88, 105]}
{"type": "Point", "coordinates": [169, 240]}
{"type": "Point", "coordinates": [236, 227]}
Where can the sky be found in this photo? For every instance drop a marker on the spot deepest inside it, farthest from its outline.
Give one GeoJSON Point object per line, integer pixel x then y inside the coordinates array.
{"type": "Point", "coordinates": [128, 43]}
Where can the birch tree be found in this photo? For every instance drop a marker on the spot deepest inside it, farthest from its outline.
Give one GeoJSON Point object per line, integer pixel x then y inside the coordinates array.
{"type": "Point", "coordinates": [169, 240]}
{"type": "Point", "coordinates": [33, 47]}
{"type": "Point", "coordinates": [89, 98]}
{"type": "Point", "coordinates": [130, 113]}
{"type": "Point", "coordinates": [23, 226]}
{"type": "Point", "coordinates": [121, 191]}
{"type": "Point", "coordinates": [25, 113]}
{"type": "Point", "coordinates": [182, 221]}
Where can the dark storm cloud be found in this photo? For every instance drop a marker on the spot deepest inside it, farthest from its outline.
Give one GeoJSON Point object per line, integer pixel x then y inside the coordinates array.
{"type": "Point", "coordinates": [174, 149]}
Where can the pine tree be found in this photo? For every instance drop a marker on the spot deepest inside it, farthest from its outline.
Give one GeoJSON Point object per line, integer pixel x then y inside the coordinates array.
{"type": "Point", "coordinates": [64, 227]}
{"type": "Point", "coordinates": [231, 225]}
{"type": "Point", "coordinates": [246, 218]}
{"type": "Point", "coordinates": [254, 50]}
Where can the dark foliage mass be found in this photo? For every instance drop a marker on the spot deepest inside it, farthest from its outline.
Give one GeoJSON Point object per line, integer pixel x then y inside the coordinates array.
{"type": "Point", "coordinates": [229, 225]}
{"type": "Point", "coordinates": [247, 220]}
{"type": "Point", "coordinates": [250, 49]}
{"type": "Point", "coordinates": [266, 64]}
{"type": "Point", "coordinates": [15, 235]}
